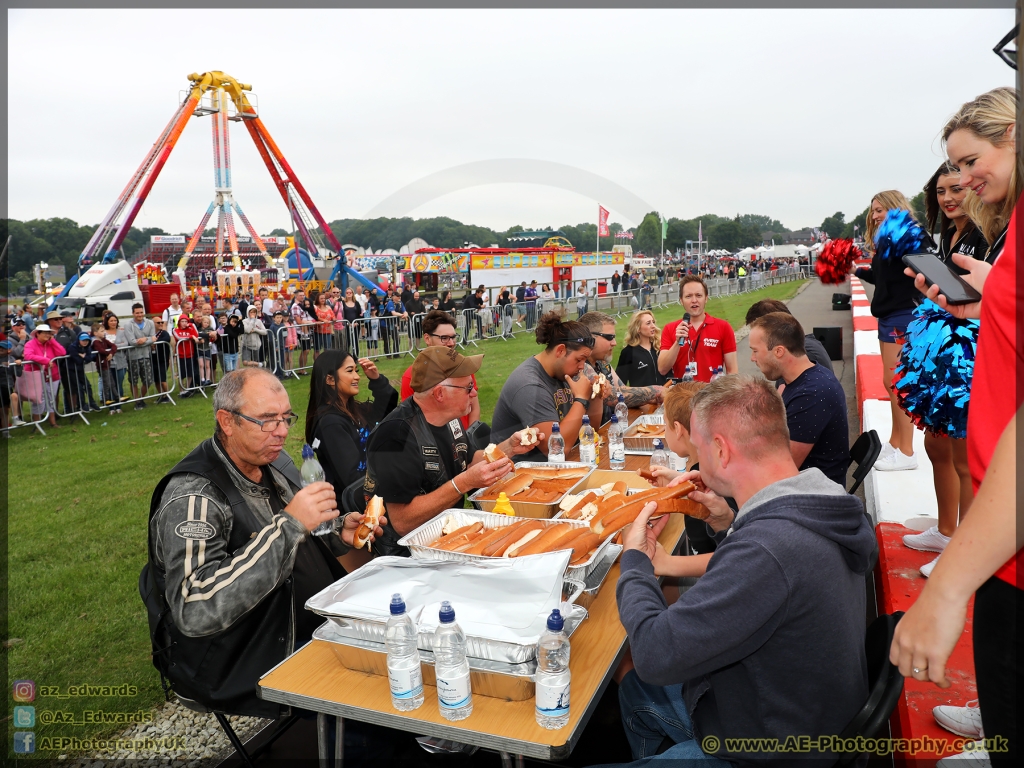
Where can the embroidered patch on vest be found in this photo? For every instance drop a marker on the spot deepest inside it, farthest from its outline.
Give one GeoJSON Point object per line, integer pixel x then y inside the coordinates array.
{"type": "Point", "coordinates": [197, 530]}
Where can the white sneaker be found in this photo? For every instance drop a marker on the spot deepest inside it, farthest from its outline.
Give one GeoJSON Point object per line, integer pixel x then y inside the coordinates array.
{"type": "Point", "coordinates": [887, 450]}
{"type": "Point", "coordinates": [927, 568]}
{"type": "Point", "coordinates": [977, 758]}
{"type": "Point", "coordinates": [963, 721]}
{"type": "Point", "coordinates": [927, 541]}
{"type": "Point", "coordinates": [17, 421]}
{"type": "Point", "coordinates": [896, 462]}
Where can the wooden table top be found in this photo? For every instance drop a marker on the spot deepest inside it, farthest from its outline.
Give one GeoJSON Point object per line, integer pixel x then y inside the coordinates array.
{"type": "Point", "coordinates": [314, 678]}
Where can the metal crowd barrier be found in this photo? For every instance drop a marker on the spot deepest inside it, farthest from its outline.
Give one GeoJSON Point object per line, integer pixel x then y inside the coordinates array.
{"type": "Point", "coordinates": [80, 391]}
{"type": "Point", "coordinates": [191, 374]}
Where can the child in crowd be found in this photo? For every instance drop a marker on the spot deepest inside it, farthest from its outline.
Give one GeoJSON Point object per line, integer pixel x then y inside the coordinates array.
{"type": "Point", "coordinates": [80, 354]}
{"type": "Point", "coordinates": [10, 371]}
{"type": "Point", "coordinates": [105, 350]}
{"type": "Point", "coordinates": [185, 337]}
{"type": "Point", "coordinates": [291, 340]}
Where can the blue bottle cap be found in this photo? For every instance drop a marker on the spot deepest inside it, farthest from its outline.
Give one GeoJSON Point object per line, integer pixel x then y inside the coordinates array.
{"type": "Point", "coordinates": [586, 419]}
{"type": "Point", "coordinates": [447, 614]}
{"type": "Point", "coordinates": [657, 444]}
{"type": "Point", "coordinates": [397, 604]}
{"type": "Point", "coordinates": [555, 621]}
{"type": "Point", "coordinates": [615, 419]}
{"type": "Point", "coordinates": [307, 452]}
{"type": "Point", "coordinates": [622, 398]}
{"type": "Point", "coordinates": [554, 426]}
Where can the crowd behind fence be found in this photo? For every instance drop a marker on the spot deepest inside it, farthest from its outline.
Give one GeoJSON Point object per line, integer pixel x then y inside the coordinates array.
{"type": "Point", "coordinates": [191, 366]}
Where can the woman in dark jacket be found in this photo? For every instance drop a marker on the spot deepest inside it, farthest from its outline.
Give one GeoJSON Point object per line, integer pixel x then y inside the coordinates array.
{"type": "Point", "coordinates": [893, 303]}
{"type": "Point", "coordinates": [228, 341]}
{"type": "Point", "coordinates": [447, 302]}
{"type": "Point", "coordinates": [340, 423]}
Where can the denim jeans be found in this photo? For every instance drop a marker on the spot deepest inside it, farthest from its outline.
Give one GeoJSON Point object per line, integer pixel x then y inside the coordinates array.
{"type": "Point", "coordinates": [230, 361]}
{"type": "Point", "coordinates": [652, 712]}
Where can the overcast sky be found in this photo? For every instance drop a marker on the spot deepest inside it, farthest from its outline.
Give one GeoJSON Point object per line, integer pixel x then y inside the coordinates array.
{"type": "Point", "coordinates": [793, 114]}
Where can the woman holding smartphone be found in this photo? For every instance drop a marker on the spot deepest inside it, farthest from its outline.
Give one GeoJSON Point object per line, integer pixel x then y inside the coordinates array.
{"type": "Point", "coordinates": [951, 475]}
{"type": "Point", "coordinates": [984, 556]}
{"type": "Point", "coordinates": [893, 304]}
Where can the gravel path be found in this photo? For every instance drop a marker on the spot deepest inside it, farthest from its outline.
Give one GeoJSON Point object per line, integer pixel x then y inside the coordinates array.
{"type": "Point", "coordinates": [179, 737]}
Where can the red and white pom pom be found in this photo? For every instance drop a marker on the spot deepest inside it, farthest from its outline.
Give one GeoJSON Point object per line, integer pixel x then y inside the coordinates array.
{"type": "Point", "coordinates": [836, 260]}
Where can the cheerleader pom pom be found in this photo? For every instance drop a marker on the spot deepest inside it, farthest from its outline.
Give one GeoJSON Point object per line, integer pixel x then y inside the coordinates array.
{"type": "Point", "coordinates": [835, 261]}
{"type": "Point", "coordinates": [933, 379]}
{"type": "Point", "coordinates": [899, 235]}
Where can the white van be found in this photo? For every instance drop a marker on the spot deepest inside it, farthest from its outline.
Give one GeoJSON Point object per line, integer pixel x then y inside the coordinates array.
{"type": "Point", "coordinates": [111, 286]}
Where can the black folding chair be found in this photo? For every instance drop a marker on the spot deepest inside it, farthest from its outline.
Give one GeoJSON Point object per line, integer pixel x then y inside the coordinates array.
{"type": "Point", "coordinates": [864, 452]}
{"type": "Point", "coordinates": [885, 684]}
{"type": "Point", "coordinates": [249, 758]}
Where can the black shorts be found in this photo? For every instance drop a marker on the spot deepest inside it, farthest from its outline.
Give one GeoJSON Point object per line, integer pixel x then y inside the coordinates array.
{"type": "Point", "coordinates": [5, 396]}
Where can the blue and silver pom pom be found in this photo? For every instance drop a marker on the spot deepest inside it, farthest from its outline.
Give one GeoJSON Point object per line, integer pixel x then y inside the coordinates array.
{"type": "Point", "coordinates": [899, 235]}
{"type": "Point", "coordinates": [933, 379]}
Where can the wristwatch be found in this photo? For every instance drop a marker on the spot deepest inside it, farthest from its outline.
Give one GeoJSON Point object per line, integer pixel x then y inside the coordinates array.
{"type": "Point", "coordinates": [585, 401]}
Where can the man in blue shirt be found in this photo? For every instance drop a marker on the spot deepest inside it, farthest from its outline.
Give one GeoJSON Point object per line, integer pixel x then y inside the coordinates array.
{"type": "Point", "coordinates": [814, 398]}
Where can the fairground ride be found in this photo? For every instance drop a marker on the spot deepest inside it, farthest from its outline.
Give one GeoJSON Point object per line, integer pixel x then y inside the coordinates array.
{"type": "Point", "coordinates": [224, 98]}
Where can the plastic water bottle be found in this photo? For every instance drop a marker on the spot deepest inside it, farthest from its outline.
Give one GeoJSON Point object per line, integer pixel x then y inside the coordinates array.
{"type": "Point", "coordinates": [553, 677]}
{"type": "Point", "coordinates": [451, 669]}
{"type": "Point", "coordinates": [616, 447]}
{"type": "Point", "coordinates": [659, 458]}
{"type": "Point", "coordinates": [312, 472]}
{"type": "Point", "coordinates": [588, 453]}
{"type": "Point", "coordinates": [556, 444]}
{"type": "Point", "coordinates": [404, 672]}
{"type": "Point", "coordinates": [690, 374]}
{"type": "Point", "coordinates": [622, 411]}
{"type": "Point", "coordinates": [718, 373]}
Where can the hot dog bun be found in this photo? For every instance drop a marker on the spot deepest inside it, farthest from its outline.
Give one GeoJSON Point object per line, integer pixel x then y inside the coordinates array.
{"type": "Point", "coordinates": [493, 453]}
{"type": "Point", "coordinates": [374, 512]}
{"type": "Point", "coordinates": [542, 543]}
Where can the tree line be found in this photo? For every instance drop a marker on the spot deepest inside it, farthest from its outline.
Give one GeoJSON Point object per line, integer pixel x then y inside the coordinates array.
{"type": "Point", "coordinates": [61, 240]}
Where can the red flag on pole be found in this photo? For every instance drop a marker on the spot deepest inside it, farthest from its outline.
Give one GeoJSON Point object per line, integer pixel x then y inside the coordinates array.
{"type": "Point", "coordinates": [602, 222]}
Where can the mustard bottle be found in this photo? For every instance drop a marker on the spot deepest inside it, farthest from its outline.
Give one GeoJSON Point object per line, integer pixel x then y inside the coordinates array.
{"type": "Point", "coordinates": [503, 506]}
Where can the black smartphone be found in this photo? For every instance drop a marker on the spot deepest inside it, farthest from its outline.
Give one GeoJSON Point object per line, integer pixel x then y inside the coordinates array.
{"type": "Point", "coordinates": [937, 272]}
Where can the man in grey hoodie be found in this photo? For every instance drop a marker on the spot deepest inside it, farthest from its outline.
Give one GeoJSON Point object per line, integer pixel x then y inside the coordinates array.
{"type": "Point", "coordinates": [769, 644]}
{"type": "Point", "coordinates": [142, 334]}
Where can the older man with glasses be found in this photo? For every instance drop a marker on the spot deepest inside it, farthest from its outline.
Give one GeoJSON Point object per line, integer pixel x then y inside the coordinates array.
{"type": "Point", "coordinates": [439, 331]}
{"type": "Point", "coordinates": [231, 559]}
{"type": "Point", "coordinates": [419, 459]}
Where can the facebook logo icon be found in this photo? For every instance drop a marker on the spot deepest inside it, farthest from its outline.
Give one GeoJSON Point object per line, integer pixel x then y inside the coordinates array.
{"type": "Point", "coordinates": [24, 742]}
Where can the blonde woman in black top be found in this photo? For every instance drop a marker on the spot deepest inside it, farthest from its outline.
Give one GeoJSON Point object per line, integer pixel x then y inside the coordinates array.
{"type": "Point", "coordinates": [638, 360]}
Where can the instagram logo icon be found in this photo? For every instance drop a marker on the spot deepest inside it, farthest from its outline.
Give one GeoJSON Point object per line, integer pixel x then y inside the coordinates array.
{"type": "Point", "coordinates": [24, 690]}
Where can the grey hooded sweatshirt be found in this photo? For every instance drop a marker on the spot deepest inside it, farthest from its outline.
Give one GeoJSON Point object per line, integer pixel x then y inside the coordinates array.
{"type": "Point", "coordinates": [770, 641]}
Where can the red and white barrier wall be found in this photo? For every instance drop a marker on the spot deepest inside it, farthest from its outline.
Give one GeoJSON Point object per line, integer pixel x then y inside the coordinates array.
{"type": "Point", "coordinates": [900, 503]}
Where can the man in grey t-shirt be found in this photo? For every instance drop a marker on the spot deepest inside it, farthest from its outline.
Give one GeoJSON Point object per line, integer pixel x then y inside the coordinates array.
{"type": "Point", "coordinates": [541, 391]}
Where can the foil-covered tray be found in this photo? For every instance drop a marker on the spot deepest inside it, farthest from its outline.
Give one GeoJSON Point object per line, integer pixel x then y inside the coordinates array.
{"type": "Point", "coordinates": [498, 628]}
{"type": "Point", "coordinates": [419, 540]}
{"type": "Point", "coordinates": [635, 441]}
{"type": "Point", "coordinates": [532, 508]}
{"type": "Point", "coordinates": [499, 680]}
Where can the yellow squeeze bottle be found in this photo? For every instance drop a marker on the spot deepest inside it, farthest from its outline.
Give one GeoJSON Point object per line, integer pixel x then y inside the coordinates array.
{"type": "Point", "coordinates": [503, 506]}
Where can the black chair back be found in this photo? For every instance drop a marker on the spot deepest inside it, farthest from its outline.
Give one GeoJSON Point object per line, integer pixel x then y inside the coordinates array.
{"type": "Point", "coordinates": [864, 452]}
{"type": "Point", "coordinates": [479, 435]}
{"type": "Point", "coordinates": [885, 684]}
{"type": "Point", "coordinates": [352, 498]}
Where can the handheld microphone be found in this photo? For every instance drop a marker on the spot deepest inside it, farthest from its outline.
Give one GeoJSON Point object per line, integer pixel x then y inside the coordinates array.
{"type": "Point", "coordinates": [686, 319]}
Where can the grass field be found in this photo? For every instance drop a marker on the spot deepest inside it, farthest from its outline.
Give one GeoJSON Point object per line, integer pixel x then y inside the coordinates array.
{"type": "Point", "coordinates": [78, 507]}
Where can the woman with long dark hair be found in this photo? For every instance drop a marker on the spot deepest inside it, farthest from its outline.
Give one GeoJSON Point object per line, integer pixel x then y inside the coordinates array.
{"type": "Point", "coordinates": [340, 422]}
{"type": "Point", "coordinates": [447, 302]}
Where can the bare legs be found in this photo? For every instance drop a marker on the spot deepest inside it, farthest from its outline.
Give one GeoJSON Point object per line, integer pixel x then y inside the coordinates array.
{"type": "Point", "coordinates": [902, 435]}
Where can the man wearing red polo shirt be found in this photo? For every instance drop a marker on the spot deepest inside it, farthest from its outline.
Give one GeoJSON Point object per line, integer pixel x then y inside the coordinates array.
{"type": "Point", "coordinates": [703, 343]}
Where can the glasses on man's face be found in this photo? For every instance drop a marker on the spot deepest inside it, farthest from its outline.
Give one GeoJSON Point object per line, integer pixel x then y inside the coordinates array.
{"type": "Point", "coordinates": [468, 389]}
{"type": "Point", "coordinates": [443, 339]}
{"type": "Point", "coordinates": [605, 336]}
{"type": "Point", "coordinates": [269, 425]}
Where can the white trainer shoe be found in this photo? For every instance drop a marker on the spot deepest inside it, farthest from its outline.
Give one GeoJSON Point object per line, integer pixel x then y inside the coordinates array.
{"type": "Point", "coordinates": [896, 462]}
{"type": "Point", "coordinates": [927, 541]}
{"type": "Point", "coordinates": [976, 758]}
{"type": "Point", "coordinates": [887, 450]}
{"type": "Point", "coordinates": [963, 721]}
{"type": "Point", "coordinates": [927, 568]}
